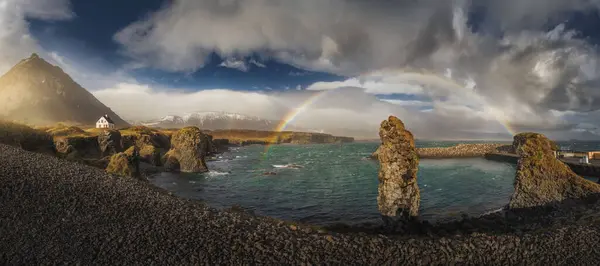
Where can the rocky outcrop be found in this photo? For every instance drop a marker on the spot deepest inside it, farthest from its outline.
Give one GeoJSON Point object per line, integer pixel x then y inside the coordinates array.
{"type": "Point", "coordinates": [399, 194]}
{"type": "Point", "coordinates": [151, 155]}
{"type": "Point", "coordinates": [541, 178]}
{"type": "Point", "coordinates": [189, 147]}
{"type": "Point", "coordinates": [25, 137]}
{"type": "Point", "coordinates": [141, 136]}
{"type": "Point", "coordinates": [125, 163]}
{"type": "Point", "coordinates": [110, 142]}
{"type": "Point", "coordinates": [86, 146]}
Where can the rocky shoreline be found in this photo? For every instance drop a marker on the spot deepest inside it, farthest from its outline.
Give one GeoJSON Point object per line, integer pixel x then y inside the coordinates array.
{"type": "Point", "coordinates": [55, 212]}
{"type": "Point", "coordinates": [461, 151]}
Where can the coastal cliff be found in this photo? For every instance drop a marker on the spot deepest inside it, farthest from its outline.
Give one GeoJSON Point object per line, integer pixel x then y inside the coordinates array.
{"type": "Point", "coordinates": [398, 192]}
{"type": "Point", "coordinates": [541, 178]}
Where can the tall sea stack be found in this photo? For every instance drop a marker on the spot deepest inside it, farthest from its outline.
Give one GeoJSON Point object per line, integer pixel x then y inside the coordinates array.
{"type": "Point", "coordinates": [399, 194]}
{"type": "Point", "coordinates": [541, 178]}
{"type": "Point", "coordinates": [189, 147]}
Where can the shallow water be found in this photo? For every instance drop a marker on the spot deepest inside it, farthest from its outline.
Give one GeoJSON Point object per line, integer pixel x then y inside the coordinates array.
{"type": "Point", "coordinates": [334, 183]}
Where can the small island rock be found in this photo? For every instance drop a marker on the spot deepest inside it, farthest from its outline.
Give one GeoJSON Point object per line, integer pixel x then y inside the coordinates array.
{"type": "Point", "coordinates": [189, 147]}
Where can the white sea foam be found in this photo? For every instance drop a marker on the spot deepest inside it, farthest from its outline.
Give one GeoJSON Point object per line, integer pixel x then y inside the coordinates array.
{"type": "Point", "coordinates": [213, 173]}
{"type": "Point", "coordinates": [291, 166]}
{"type": "Point", "coordinates": [492, 211]}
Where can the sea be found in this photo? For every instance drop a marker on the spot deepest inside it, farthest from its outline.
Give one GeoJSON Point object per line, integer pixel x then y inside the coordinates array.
{"type": "Point", "coordinates": [327, 184]}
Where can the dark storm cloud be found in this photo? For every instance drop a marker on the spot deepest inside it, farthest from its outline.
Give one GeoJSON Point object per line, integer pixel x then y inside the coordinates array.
{"type": "Point", "coordinates": [523, 72]}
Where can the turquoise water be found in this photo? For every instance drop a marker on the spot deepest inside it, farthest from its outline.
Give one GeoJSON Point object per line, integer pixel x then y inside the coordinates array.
{"type": "Point", "coordinates": [335, 183]}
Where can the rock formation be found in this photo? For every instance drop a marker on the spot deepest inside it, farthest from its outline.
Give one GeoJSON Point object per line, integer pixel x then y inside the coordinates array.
{"type": "Point", "coordinates": [399, 194]}
{"type": "Point", "coordinates": [86, 146]}
{"type": "Point", "coordinates": [541, 178]}
{"type": "Point", "coordinates": [189, 147]}
{"type": "Point", "coordinates": [125, 163]}
{"type": "Point", "coordinates": [110, 142]}
{"type": "Point", "coordinates": [151, 155]}
{"type": "Point", "coordinates": [25, 137]}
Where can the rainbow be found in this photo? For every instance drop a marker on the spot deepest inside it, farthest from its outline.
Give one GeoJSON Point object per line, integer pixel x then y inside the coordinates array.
{"type": "Point", "coordinates": [293, 114]}
{"type": "Point", "coordinates": [410, 76]}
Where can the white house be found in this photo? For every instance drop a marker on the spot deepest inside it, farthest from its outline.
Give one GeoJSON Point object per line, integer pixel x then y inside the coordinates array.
{"type": "Point", "coordinates": [105, 122]}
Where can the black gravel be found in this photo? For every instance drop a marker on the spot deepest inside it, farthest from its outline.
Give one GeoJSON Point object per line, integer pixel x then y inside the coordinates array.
{"type": "Point", "coordinates": [58, 212]}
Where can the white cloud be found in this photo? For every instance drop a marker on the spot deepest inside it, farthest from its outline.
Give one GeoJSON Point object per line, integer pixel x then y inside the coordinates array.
{"type": "Point", "coordinates": [523, 76]}
{"type": "Point", "coordinates": [344, 111]}
{"type": "Point", "coordinates": [235, 64]}
{"type": "Point", "coordinates": [256, 63]}
{"type": "Point", "coordinates": [16, 41]}
{"type": "Point", "coordinates": [407, 103]}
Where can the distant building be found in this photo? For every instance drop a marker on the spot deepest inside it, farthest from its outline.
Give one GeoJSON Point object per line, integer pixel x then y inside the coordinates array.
{"type": "Point", "coordinates": [105, 122]}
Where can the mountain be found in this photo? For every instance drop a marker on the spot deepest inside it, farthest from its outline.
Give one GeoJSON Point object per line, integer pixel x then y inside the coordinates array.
{"type": "Point", "coordinates": [214, 121]}
{"type": "Point", "coordinates": [38, 93]}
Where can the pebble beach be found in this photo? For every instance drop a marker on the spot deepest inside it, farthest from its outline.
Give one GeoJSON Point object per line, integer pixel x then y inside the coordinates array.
{"type": "Point", "coordinates": [53, 211]}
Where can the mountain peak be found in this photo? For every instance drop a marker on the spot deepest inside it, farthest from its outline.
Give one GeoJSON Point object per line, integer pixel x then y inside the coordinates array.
{"type": "Point", "coordinates": [37, 92]}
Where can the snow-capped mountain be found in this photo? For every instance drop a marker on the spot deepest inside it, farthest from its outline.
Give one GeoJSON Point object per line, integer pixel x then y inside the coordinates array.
{"type": "Point", "coordinates": [213, 121]}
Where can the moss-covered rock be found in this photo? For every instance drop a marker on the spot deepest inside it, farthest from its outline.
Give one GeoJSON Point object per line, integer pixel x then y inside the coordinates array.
{"type": "Point", "coordinates": [110, 142]}
{"type": "Point", "coordinates": [125, 163]}
{"type": "Point", "coordinates": [189, 147]}
{"type": "Point", "coordinates": [86, 146]}
{"type": "Point", "coordinates": [151, 155]}
{"type": "Point", "coordinates": [140, 136]}
{"type": "Point", "coordinates": [541, 178]}
{"type": "Point", "coordinates": [399, 194]}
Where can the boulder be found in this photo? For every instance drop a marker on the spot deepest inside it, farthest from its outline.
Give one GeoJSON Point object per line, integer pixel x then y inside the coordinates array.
{"type": "Point", "coordinates": [399, 194]}
{"type": "Point", "coordinates": [189, 147]}
{"type": "Point", "coordinates": [541, 178]}
{"type": "Point", "coordinates": [110, 142]}
{"type": "Point", "coordinates": [125, 163]}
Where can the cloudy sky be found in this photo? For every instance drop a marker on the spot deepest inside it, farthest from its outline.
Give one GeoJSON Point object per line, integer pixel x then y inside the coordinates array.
{"type": "Point", "coordinates": [448, 68]}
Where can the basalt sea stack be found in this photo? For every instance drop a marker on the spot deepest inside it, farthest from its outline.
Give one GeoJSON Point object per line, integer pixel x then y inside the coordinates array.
{"type": "Point", "coordinates": [541, 178]}
{"type": "Point", "coordinates": [399, 194]}
{"type": "Point", "coordinates": [189, 147]}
